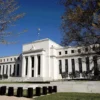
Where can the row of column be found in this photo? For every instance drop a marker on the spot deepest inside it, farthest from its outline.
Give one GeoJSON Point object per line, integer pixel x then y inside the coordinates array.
{"type": "Point", "coordinates": [76, 64]}
{"type": "Point", "coordinates": [84, 67]}
{"type": "Point", "coordinates": [29, 67]}
{"type": "Point", "coordinates": [8, 69]}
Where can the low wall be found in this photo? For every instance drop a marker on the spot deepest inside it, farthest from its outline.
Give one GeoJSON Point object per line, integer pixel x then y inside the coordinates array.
{"type": "Point", "coordinates": [78, 86]}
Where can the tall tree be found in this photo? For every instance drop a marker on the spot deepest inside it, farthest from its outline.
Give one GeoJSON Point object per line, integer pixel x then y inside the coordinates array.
{"type": "Point", "coordinates": [81, 22]}
{"type": "Point", "coordinates": [7, 18]}
{"type": "Point", "coordinates": [81, 25]}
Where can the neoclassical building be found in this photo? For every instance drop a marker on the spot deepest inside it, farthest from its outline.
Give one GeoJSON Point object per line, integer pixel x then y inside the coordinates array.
{"type": "Point", "coordinates": [44, 60]}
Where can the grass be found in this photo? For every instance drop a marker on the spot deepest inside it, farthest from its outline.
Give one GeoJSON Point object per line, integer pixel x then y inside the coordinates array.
{"type": "Point", "coordinates": [70, 96]}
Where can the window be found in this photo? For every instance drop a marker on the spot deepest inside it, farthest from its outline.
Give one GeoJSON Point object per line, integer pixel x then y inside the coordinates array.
{"type": "Point", "coordinates": [15, 59]}
{"type": "Point", "coordinates": [59, 53]}
{"type": "Point", "coordinates": [0, 70]}
{"type": "Point", "coordinates": [3, 69]}
{"type": "Point", "coordinates": [86, 49]}
{"type": "Point", "coordinates": [10, 70]}
{"type": "Point", "coordinates": [6, 69]}
{"type": "Point", "coordinates": [11, 59]}
{"type": "Point", "coordinates": [93, 48]}
{"type": "Point", "coordinates": [73, 66]}
{"type": "Point", "coordinates": [80, 64]}
{"type": "Point", "coordinates": [65, 52]}
{"type": "Point", "coordinates": [96, 70]}
{"type": "Point", "coordinates": [18, 58]}
{"type": "Point", "coordinates": [87, 64]}
{"type": "Point", "coordinates": [72, 51]}
{"type": "Point", "coordinates": [39, 65]}
{"type": "Point", "coordinates": [17, 69]}
{"type": "Point", "coordinates": [32, 73]}
{"type": "Point", "coordinates": [26, 65]}
{"type": "Point", "coordinates": [60, 67]}
{"type": "Point", "coordinates": [32, 62]}
{"type": "Point", "coordinates": [79, 50]}
{"type": "Point", "coordinates": [0, 60]}
{"type": "Point", "coordinates": [66, 65]}
{"type": "Point", "coordinates": [4, 60]}
{"type": "Point", "coordinates": [14, 70]}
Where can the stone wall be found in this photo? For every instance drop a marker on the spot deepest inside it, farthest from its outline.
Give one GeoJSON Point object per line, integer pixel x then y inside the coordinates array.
{"type": "Point", "coordinates": [79, 86]}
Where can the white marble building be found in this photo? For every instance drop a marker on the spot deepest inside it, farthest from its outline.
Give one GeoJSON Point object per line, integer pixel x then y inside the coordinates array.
{"type": "Point", "coordinates": [46, 60]}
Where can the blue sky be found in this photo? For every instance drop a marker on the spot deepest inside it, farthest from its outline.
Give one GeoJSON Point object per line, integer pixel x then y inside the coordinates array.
{"type": "Point", "coordinates": [43, 14]}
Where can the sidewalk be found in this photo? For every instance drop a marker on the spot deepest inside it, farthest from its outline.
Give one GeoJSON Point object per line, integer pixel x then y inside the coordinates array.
{"type": "Point", "coordinates": [14, 98]}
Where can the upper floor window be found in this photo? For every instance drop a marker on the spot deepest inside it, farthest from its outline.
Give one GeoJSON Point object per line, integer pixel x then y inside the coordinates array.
{"type": "Point", "coordinates": [11, 59]}
{"type": "Point", "coordinates": [79, 50]}
{"type": "Point", "coordinates": [59, 53]}
{"type": "Point", "coordinates": [93, 48]}
{"type": "Point", "coordinates": [0, 60]}
{"type": "Point", "coordinates": [18, 58]}
{"type": "Point", "coordinates": [7, 59]}
{"type": "Point", "coordinates": [72, 51]}
{"type": "Point", "coordinates": [14, 58]}
{"type": "Point", "coordinates": [4, 60]}
{"type": "Point", "coordinates": [65, 52]}
{"type": "Point", "coordinates": [86, 49]}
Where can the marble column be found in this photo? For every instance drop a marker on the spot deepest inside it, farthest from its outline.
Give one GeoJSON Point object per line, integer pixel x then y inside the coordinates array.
{"type": "Point", "coordinates": [1, 71]}
{"type": "Point", "coordinates": [84, 64]}
{"type": "Point", "coordinates": [12, 69]}
{"type": "Point", "coordinates": [8, 72]}
{"type": "Point", "coordinates": [91, 64]}
{"type": "Point", "coordinates": [35, 66]}
{"type": "Point", "coordinates": [29, 66]}
{"type": "Point", "coordinates": [55, 67]}
{"type": "Point", "coordinates": [23, 66]}
{"type": "Point", "coordinates": [5, 69]}
{"type": "Point", "coordinates": [76, 64]}
{"type": "Point", "coordinates": [69, 67]}
{"type": "Point", "coordinates": [42, 65]}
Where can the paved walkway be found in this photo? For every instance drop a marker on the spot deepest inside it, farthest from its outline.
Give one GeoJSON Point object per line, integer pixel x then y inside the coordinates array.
{"type": "Point", "coordinates": [13, 98]}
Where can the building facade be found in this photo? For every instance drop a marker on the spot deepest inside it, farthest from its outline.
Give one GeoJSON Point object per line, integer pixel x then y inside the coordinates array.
{"type": "Point", "coordinates": [46, 60]}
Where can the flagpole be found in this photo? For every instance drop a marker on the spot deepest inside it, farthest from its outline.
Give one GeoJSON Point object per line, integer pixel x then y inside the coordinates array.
{"type": "Point", "coordinates": [38, 33]}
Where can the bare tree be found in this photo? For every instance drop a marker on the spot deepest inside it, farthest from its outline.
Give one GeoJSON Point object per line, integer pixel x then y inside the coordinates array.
{"type": "Point", "coordinates": [8, 17]}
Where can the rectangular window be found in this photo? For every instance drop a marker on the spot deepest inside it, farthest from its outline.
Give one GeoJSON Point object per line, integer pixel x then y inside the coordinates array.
{"type": "Point", "coordinates": [59, 53]}
{"type": "Point", "coordinates": [79, 50]}
{"type": "Point", "coordinates": [32, 73]}
{"type": "Point", "coordinates": [66, 65]}
{"type": "Point", "coordinates": [32, 62]}
{"type": "Point", "coordinates": [87, 64]}
{"type": "Point", "coordinates": [39, 65]}
{"type": "Point", "coordinates": [86, 49]}
{"type": "Point", "coordinates": [96, 70]}
{"type": "Point", "coordinates": [65, 52]}
{"type": "Point", "coordinates": [72, 51]}
{"type": "Point", "coordinates": [26, 65]}
{"type": "Point", "coordinates": [80, 64]}
{"type": "Point", "coordinates": [14, 70]}
{"type": "Point", "coordinates": [60, 67]}
{"type": "Point", "coordinates": [73, 66]}
{"type": "Point", "coordinates": [6, 69]}
{"type": "Point", "coordinates": [10, 70]}
{"type": "Point", "coordinates": [17, 69]}
{"type": "Point", "coordinates": [0, 70]}
{"type": "Point", "coordinates": [11, 59]}
{"type": "Point", "coordinates": [3, 69]}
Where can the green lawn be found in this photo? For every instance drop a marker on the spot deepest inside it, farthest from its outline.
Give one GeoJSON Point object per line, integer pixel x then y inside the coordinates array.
{"type": "Point", "coordinates": [70, 96]}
